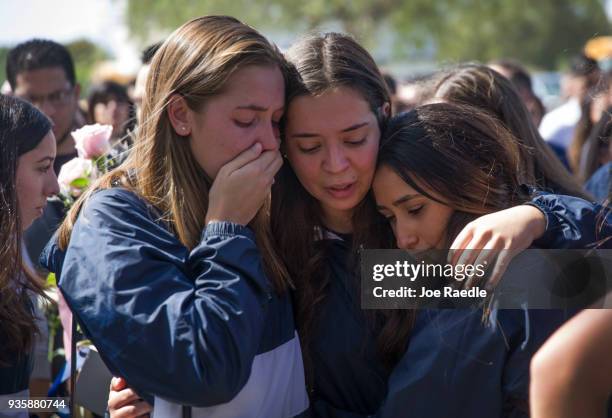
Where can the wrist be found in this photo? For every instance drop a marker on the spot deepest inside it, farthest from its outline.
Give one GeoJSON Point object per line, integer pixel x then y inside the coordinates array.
{"type": "Point", "coordinates": [226, 229]}
{"type": "Point", "coordinates": [537, 221]}
{"type": "Point", "coordinates": [215, 219]}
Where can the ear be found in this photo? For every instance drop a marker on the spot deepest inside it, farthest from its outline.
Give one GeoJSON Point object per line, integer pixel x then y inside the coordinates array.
{"type": "Point", "coordinates": [179, 115]}
{"type": "Point", "coordinates": [386, 109]}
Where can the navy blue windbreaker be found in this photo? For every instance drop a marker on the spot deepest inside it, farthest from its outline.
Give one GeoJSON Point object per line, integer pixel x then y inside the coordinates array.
{"type": "Point", "coordinates": [351, 382]}
{"type": "Point", "coordinates": [572, 222]}
{"type": "Point", "coordinates": [457, 366]}
{"type": "Point", "coordinates": [600, 183]}
{"type": "Point", "coordinates": [191, 327]}
{"type": "Point", "coordinates": [348, 375]}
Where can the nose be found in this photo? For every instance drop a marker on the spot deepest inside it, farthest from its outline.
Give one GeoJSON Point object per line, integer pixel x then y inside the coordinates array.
{"type": "Point", "coordinates": [47, 108]}
{"type": "Point", "coordinates": [51, 184]}
{"type": "Point", "coordinates": [407, 243]}
{"type": "Point", "coordinates": [335, 160]}
{"type": "Point", "coordinates": [111, 106]}
{"type": "Point", "coordinates": [269, 137]}
{"type": "Point", "coordinates": [405, 238]}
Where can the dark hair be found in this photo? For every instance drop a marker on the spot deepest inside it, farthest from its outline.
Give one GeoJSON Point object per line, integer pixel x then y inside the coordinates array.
{"type": "Point", "coordinates": [480, 86]}
{"type": "Point", "coordinates": [582, 66]}
{"type": "Point", "coordinates": [37, 54]}
{"type": "Point", "coordinates": [147, 54]}
{"type": "Point", "coordinates": [456, 155]}
{"type": "Point", "coordinates": [103, 93]}
{"type": "Point", "coordinates": [585, 126]}
{"type": "Point", "coordinates": [333, 60]}
{"type": "Point", "coordinates": [22, 128]}
{"type": "Point", "coordinates": [321, 63]}
{"type": "Point", "coordinates": [391, 83]}
{"type": "Point", "coordinates": [599, 138]}
{"type": "Point", "coordinates": [517, 74]}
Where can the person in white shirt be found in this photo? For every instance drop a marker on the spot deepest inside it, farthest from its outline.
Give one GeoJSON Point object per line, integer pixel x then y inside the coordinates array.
{"type": "Point", "coordinates": [557, 127]}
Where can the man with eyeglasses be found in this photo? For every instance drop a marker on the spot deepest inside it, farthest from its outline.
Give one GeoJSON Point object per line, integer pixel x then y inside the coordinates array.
{"type": "Point", "coordinates": [42, 72]}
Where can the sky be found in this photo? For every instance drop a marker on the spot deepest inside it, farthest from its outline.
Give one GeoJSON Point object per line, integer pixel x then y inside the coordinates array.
{"type": "Point", "coordinates": [101, 21]}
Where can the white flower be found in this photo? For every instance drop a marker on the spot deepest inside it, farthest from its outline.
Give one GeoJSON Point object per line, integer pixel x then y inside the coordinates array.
{"type": "Point", "coordinates": [78, 169]}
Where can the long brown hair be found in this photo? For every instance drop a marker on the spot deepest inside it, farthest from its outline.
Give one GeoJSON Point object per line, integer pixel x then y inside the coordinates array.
{"type": "Point", "coordinates": [457, 155]}
{"type": "Point", "coordinates": [22, 128]}
{"type": "Point", "coordinates": [581, 134]}
{"type": "Point", "coordinates": [479, 86]}
{"type": "Point", "coordinates": [321, 63]}
{"type": "Point", "coordinates": [195, 62]}
{"type": "Point", "coordinates": [597, 145]}
{"type": "Point", "coordinates": [586, 127]}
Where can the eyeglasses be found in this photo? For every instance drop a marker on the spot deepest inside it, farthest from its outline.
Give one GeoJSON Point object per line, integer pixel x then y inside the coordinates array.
{"type": "Point", "coordinates": [55, 99]}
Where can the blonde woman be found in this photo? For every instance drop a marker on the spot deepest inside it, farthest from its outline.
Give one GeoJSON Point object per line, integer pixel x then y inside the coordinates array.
{"type": "Point", "coordinates": [168, 262]}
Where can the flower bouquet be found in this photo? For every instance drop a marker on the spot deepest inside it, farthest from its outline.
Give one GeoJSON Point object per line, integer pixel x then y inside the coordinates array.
{"type": "Point", "coordinates": [93, 145]}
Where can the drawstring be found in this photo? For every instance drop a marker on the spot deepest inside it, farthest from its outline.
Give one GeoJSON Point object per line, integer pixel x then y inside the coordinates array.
{"type": "Point", "coordinates": [73, 367]}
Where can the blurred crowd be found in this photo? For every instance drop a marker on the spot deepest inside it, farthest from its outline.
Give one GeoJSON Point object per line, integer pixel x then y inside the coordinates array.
{"type": "Point", "coordinates": [575, 157]}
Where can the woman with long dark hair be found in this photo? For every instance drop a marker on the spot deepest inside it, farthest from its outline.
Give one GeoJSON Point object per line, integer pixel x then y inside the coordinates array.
{"type": "Point", "coordinates": [338, 105]}
{"type": "Point", "coordinates": [437, 171]}
{"type": "Point", "coordinates": [27, 179]}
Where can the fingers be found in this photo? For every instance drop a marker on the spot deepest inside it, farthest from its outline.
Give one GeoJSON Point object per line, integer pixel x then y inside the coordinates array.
{"type": "Point", "coordinates": [267, 165]}
{"type": "Point", "coordinates": [460, 243]}
{"type": "Point", "coordinates": [120, 399]}
{"type": "Point", "coordinates": [117, 384]}
{"type": "Point", "coordinates": [499, 267]}
{"type": "Point", "coordinates": [485, 258]}
{"type": "Point", "coordinates": [245, 157]}
{"type": "Point", "coordinates": [134, 410]}
{"type": "Point", "coordinates": [275, 165]}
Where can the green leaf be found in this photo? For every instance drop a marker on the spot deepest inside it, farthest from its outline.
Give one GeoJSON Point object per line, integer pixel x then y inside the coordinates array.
{"type": "Point", "coordinates": [80, 183]}
{"type": "Point", "coordinates": [51, 281]}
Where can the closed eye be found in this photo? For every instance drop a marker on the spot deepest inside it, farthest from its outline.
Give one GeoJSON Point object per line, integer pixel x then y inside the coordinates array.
{"type": "Point", "coordinates": [309, 150]}
{"type": "Point", "coordinates": [386, 216]}
{"type": "Point", "coordinates": [44, 169]}
{"type": "Point", "coordinates": [356, 143]}
{"type": "Point", "coordinates": [415, 210]}
{"type": "Point", "coordinates": [243, 124]}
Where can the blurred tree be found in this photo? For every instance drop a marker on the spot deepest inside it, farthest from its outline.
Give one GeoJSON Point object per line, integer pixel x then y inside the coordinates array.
{"type": "Point", "coordinates": [86, 56]}
{"type": "Point", "coordinates": [543, 33]}
{"type": "Point", "coordinates": [3, 53]}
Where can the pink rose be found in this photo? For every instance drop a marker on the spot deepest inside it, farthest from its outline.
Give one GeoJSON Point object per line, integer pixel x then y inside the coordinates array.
{"type": "Point", "coordinates": [75, 169]}
{"type": "Point", "coordinates": [93, 141]}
